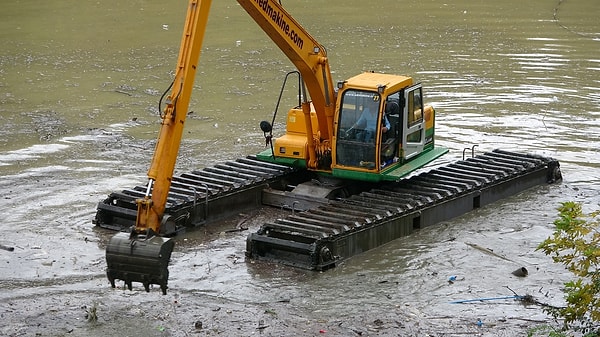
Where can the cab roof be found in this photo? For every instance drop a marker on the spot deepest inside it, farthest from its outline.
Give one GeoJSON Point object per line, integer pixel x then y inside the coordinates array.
{"type": "Point", "coordinates": [371, 80]}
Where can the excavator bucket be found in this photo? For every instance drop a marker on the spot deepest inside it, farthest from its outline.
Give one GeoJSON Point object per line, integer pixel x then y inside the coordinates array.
{"type": "Point", "coordinates": [138, 258]}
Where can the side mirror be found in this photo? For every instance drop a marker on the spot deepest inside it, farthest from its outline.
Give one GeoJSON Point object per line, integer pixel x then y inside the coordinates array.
{"type": "Point", "coordinates": [266, 127]}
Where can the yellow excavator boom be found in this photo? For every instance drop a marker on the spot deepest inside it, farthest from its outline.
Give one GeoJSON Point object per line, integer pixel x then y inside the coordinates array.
{"type": "Point", "coordinates": [151, 208]}
{"type": "Point", "coordinates": [142, 255]}
{"type": "Point", "coordinates": [307, 55]}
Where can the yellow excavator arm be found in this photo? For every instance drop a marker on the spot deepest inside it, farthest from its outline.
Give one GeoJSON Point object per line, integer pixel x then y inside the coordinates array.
{"type": "Point", "coordinates": [151, 208]}
{"type": "Point", "coordinates": [307, 55]}
{"type": "Point", "coordinates": [142, 255]}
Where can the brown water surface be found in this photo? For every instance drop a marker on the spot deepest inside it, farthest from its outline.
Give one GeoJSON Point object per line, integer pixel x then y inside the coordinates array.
{"type": "Point", "coordinates": [79, 90]}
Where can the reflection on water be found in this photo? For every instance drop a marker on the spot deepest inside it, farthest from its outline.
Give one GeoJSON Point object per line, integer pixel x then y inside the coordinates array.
{"type": "Point", "coordinates": [80, 82]}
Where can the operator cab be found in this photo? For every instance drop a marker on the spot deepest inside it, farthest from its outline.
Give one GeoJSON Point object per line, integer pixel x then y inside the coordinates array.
{"type": "Point", "coordinates": [380, 127]}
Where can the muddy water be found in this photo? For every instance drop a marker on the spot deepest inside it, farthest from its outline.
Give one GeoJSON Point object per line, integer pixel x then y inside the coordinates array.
{"type": "Point", "coordinates": [79, 86]}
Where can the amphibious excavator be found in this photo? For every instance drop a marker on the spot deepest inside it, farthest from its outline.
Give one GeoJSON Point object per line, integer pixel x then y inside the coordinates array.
{"type": "Point", "coordinates": [340, 167]}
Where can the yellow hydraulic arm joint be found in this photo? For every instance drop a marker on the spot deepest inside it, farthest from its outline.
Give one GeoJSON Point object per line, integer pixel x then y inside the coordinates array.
{"type": "Point", "coordinates": [310, 141]}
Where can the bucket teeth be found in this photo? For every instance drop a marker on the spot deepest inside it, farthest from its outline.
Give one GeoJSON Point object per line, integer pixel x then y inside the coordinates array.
{"type": "Point", "coordinates": [143, 260]}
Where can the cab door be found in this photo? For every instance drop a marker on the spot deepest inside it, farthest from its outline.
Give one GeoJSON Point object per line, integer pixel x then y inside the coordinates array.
{"type": "Point", "coordinates": [413, 124]}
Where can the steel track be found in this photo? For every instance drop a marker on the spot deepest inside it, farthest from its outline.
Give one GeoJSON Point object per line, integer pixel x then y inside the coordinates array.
{"type": "Point", "coordinates": [320, 238]}
{"type": "Point", "coordinates": [323, 236]}
{"type": "Point", "coordinates": [201, 196]}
